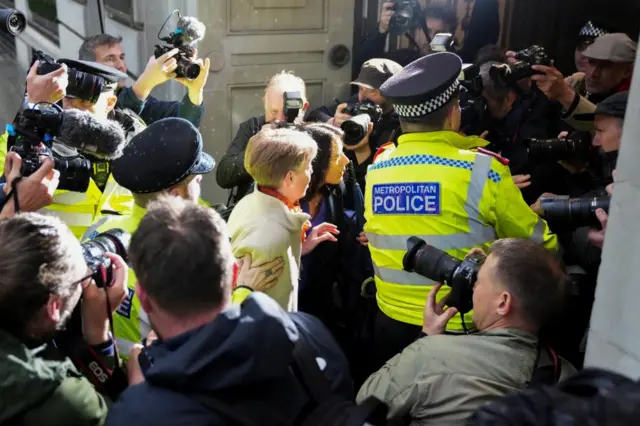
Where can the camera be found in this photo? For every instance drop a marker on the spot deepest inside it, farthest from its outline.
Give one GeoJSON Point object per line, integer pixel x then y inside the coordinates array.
{"type": "Point", "coordinates": [114, 241]}
{"type": "Point", "coordinates": [189, 31]}
{"type": "Point", "coordinates": [443, 42]}
{"type": "Point", "coordinates": [407, 17]}
{"type": "Point", "coordinates": [81, 85]}
{"type": "Point", "coordinates": [14, 21]}
{"type": "Point", "coordinates": [571, 148]}
{"type": "Point", "coordinates": [32, 137]}
{"type": "Point", "coordinates": [355, 129]}
{"type": "Point", "coordinates": [473, 105]}
{"type": "Point", "coordinates": [293, 103]}
{"type": "Point", "coordinates": [511, 74]}
{"type": "Point", "coordinates": [438, 266]}
{"type": "Point", "coordinates": [573, 213]}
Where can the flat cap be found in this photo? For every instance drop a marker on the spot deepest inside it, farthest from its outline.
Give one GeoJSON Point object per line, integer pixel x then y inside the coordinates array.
{"type": "Point", "coordinates": [425, 85]}
{"type": "Point", "coordinates": [614, 106]}
{"type": "Point", "coordinates": [616, 47]}
{"type": "Point", "coordinates": [375, 72]}
{"type": "Point", "coordinates": [162, 155]}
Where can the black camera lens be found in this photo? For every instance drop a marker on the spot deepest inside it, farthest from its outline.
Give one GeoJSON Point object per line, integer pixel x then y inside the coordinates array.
{"type": "Point", "coordinates": [114, 241]}
{"type": "Point", "coordinates": [75, 173]}
{"type": "Point", "coordinates": [355, 129]}
{"type": "Point", "coordinates": [190, 70]}
{"type": "Point", "coordinates": [557, 149]}
{"type": "Point", "coordinates": [574, 213]}
{"type": "Point", "coordinates": [14, 21]}
{"type": "Point", "coordinates": [429, 261]}
{"type": "Point", "coordinates": [84, 86]}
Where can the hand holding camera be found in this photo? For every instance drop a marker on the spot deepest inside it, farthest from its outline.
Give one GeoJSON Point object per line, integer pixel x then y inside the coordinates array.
{"type": "Point", "coordinates": [551, 82]}
{"type": "Point", "coordinates": [385, 17]}
{"type": "Point", "coordinates": [95, 318]}
{"type": "Point", "coordinates": [50, 87]}
{"type": "Point", "coordinates": [158, 70]}
{"type": "Point", "coordinates": [340, 116]}
{"type": "Point", "coordinates": [33, 192]}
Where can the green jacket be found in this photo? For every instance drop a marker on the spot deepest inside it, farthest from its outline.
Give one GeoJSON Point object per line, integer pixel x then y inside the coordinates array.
{"type": "Point", "coordinates": [38, 391]}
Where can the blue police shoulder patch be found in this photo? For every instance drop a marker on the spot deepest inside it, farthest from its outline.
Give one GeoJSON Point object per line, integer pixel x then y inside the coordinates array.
{"type": "Point", "coordinates": [125, 307]}
{"type": "Point", "coordinates": [410, 198]}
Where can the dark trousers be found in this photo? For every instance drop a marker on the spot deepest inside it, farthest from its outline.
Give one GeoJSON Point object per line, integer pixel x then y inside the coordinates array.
{"type": "Point", "coordinates": [390, 337]}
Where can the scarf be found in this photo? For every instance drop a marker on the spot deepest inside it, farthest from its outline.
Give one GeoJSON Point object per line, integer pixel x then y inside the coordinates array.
{"type": "Point", "coordinates": [293, 207]}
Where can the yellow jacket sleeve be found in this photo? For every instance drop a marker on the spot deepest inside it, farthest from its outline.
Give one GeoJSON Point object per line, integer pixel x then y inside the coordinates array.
{"type": "Point", "coordinates": [3, 150]}
{"type": "Point", "coordinates": [515, 219]}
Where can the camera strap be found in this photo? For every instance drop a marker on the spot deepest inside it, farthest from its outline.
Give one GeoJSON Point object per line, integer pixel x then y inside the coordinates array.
{"type": "Point", "coordinates": [14, 194]}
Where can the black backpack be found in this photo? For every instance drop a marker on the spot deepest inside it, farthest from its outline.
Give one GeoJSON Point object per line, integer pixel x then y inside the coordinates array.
{"type": "Point", "coordinates": [325, 407]}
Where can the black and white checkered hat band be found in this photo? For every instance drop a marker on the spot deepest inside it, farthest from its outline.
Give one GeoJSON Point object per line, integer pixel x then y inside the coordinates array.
{"type": "Point", "coordinates": [429, 106]}
{"type": "Point", "coordinates": [590, 30]}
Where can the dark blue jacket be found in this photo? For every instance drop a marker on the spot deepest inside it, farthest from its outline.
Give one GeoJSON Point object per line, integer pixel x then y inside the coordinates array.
{"type": "Point", "coordinates": [243, 357]}
{"type": "Point", "coordinates": [152, 109]}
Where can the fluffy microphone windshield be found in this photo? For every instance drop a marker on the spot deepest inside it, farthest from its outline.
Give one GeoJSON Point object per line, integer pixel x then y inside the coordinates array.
{"type": "Point", "coordinates": [192, 29]}
{"type": "Point", "coordinates": [104, 139]}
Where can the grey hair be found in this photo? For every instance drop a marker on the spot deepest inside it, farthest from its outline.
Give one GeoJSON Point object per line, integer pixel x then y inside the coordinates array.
{"type": "Point", "coordinates": [87, 51]}
{"type": "Point", "coordinates": [496, 91]}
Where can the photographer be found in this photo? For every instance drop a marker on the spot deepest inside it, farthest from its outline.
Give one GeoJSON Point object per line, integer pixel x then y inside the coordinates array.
{"type": "Point", "coordinates": [515, 118]}
{"type": "Point", "coordinates": [231, 172]}
{"type": "Point", "coordinates": [437, 19]}
{"type": "Point", "coordinates": [386, 129]}
{"type": "Point", "coordinates": [106, 49]}
{"type": "Point", "coordinates": [213, 361]}
{"type": "Point", "coordinates": [43, 276]}
{"type": "Point", "coordinates": [611, 58]}
{"type": "Point", "coordinates": [443, 379]}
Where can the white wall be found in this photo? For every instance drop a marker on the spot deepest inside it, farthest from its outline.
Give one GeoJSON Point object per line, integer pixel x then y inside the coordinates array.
{"type": "Point", "coordinates": [613, 338]}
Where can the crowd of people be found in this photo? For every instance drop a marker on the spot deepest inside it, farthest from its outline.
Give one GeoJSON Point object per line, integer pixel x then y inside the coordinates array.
{"type": "Point", "coordinates": [296, 303]}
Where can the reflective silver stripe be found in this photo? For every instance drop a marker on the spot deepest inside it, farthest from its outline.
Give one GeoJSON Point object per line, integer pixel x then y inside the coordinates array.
{"type": "Point", "coordinates": [538, 231]}
{"type": "Point", "coordinates": [70, 198]}
{"type": "Point", "coordinates": [88, 234]}
{"type": "Point", "coordinates": [395, 276]}
{"type": "Point", "coordinates": [124, 347]}
{"type": "Point", "coordinates": [479, 234]}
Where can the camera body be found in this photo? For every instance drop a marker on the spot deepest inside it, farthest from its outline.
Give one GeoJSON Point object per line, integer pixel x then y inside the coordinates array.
{"type": "Point", "coordinates": [568, 213]}
{"type": "Point", "coordinates": [114, 241]}
{"type": "Point", "coordinates": [511, 74]}
{"type": "Point", "coordinates": [438, 266]}
{"type": "Point", "coordinates": [32, 136]}
{"type": "Point", "coordinates": [81, 85]}
{"type": "Point", "coordinates": [362, 114]}
{"type": "Point", "coordinates": [186, 67]}
{"type": "Point", "coordinates": [473, 105]}
{"type": "Point", "coordinates": [407, 18]}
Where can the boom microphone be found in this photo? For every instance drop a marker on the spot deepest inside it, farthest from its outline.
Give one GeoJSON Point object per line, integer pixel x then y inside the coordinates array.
{"type": "Point", "coordinates": [103, 139]}
{"type": "Point", "coordinates": [192, 30]}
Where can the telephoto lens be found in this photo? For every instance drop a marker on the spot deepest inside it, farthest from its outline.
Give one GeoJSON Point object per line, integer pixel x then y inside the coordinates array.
{"type": "Point", "coordinates": [435, 264]}
{"type": "Point", "coordinates": [573, 213]}
{"type": "Point", "coordinates": [114, 241]}
{"type": "Point", "coordinates": [557, 149]}
{"type": "Point", "coordinates": [12, 21]}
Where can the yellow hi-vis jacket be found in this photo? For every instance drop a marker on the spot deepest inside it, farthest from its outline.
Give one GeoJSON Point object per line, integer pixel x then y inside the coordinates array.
{"type": "Point", "coordinates": [435, 187]}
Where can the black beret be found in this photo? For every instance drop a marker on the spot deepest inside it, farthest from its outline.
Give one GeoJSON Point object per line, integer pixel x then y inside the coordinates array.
{"type": "Point", "coordinates": [425, 85]}
{"type": "Point", "coordinates": [163, 154]}
{"type": "Point", "coordinates": [109, 74]}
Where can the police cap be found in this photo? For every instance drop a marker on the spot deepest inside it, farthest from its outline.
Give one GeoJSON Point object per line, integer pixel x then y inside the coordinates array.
{"type": "Point", "coordinates": [110, 75]}
{"type": "Point", "coordinates": [425, 85]}
{"type": "Point", "coordinates": [162, 155]}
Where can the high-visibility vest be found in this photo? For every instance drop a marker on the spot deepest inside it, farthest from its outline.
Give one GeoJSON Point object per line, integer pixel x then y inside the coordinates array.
{"type": "Point", "coordinates": [435, 187]}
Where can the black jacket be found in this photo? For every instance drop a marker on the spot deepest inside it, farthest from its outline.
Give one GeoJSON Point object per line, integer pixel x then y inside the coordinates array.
{"type": "Point", "coordinates": [242, 358]}
{"type": "Point", "coordinates": [230, 172]}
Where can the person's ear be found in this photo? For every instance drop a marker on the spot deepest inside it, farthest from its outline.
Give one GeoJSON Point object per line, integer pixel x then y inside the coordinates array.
{"type": "Point", "coordinates": [143, 297]}
{"type": "Point", "coordinates": [54, 309]}
{"type": "Point", "coordinates": [505, 304]}
{"type": "Point", "coordinates": [111, 102]}
{"type": "Point", "coordinates": [305, 106]}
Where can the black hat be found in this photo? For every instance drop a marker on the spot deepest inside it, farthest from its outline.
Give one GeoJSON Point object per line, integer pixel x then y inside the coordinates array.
{"type": "Point", "coordinates": [375, 72]}
{"type": "Point", "coordinates": [110, 75]}
{"type": "Point", "coordinates": [613, 106]}
{"type": "Point", "coordinates": [163, 154]}
{"type": "Point", "coordinates": [424, 86]}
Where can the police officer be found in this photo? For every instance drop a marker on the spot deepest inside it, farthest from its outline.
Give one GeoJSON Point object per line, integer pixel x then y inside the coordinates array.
{"type": "Point", "coordinates": [438, 186]}
{"type": "Point", "coordinates": [166, 157]}
{"type": "Point", "coordinates": [79, 210]}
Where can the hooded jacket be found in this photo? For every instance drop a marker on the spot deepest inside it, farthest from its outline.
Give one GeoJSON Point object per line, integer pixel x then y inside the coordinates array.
{"type": "Point", "coordinates": [39, 391]}
{"type": "Point", "coordinates": [242, 359]}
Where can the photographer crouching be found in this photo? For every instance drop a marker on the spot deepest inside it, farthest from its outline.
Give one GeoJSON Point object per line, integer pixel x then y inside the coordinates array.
{"type": "Point", "coordinates": [515, 291]}
{"type": "Point", "coordinates": [43, 277]}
